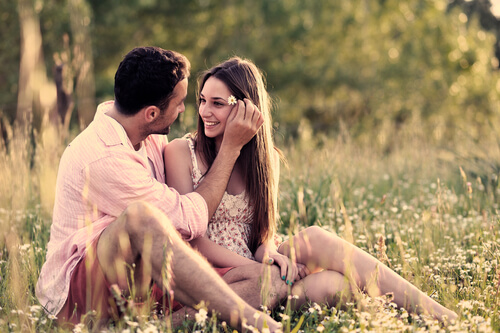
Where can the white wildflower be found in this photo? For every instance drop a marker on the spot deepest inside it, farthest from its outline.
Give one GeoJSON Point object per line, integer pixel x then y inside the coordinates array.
{"type": "Point", "coordinates": [251, 328]}
{"type": "Point", "coordinates": [201, 317]}
{"type": "Point", "coordinates": [231, 100]}
{"type": "Point", "coordinates": [151, 329]}
{"type": "Point", "coordinates": [24, 247]}
{"type": "Point", "coordinates": [284, 316]}
{"type": "Point", "coordinates": [466, 305]}
{"type": "Point", "coordinates": [132, 323]}
{"type": "Point", "coordinates": [35, 308]}
{"type": "Point", "coordinates": [78, 328]}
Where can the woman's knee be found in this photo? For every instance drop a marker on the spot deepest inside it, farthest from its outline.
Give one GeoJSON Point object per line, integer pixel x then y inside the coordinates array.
{"type": "Point", "coordinates": [328, 286]}
{"type": "Point", "coordinates": [317, 235]}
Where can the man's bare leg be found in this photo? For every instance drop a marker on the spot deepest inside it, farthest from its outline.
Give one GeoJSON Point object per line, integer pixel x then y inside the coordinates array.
{"type": "Point", "coordinates": [143, 236]}
{"type": "Point", "coordinates": [257, 284]}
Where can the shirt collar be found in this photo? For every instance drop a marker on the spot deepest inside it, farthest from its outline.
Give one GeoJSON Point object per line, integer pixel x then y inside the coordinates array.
{"type": "Point", "coordinates": [110, 130]}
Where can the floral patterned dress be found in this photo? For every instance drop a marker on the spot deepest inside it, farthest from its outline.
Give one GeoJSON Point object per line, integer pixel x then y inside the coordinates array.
{"type": "Point", "coordinates": [230, 226]}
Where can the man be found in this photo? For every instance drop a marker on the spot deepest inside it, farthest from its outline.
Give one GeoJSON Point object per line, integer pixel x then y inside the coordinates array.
{"type": "Point", "coordinates": [115, 220]}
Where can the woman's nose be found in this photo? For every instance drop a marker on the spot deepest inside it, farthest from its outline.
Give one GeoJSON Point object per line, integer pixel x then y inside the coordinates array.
{"type": "Point", "coordinates": [204, 110]}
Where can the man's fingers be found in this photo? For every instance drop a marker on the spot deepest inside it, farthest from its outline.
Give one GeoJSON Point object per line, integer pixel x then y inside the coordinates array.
{"type": "Point", "coordinates": [252, 112]}
{"type": "Point", "coordinates": [243, 123]}
{"type": "Point", "coordinates": [241, 110]}
{"type": "Point", "coordinates": [248, 109]}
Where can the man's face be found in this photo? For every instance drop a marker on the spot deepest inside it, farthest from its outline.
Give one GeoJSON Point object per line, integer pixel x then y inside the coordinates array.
{"type": "Point", "coordinates": [176, 106]}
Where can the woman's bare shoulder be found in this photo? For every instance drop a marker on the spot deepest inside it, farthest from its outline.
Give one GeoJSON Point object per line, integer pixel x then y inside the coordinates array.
{"type": "Point", "coordinates": [177, 150]}
{"type": "Point", "coordinates": [179, 145]}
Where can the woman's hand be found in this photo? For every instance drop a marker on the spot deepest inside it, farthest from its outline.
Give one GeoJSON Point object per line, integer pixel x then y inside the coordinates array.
{"type": "Point", "coordinates": [290, 271]}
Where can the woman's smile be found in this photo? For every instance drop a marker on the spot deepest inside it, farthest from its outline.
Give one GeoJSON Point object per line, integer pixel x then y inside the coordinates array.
{"type": "Point", "coordinates": [211, 123]}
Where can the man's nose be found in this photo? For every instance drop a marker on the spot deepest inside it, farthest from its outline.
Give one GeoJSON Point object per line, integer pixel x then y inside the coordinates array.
{"type": "Point", "coordinates": [183, 108]}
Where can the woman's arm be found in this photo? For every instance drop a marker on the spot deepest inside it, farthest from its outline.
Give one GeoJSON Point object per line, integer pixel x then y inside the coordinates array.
{"type": "Point", "coordinates": [217, 255]}
{"type": "Point", "coordinates": [268, 251]}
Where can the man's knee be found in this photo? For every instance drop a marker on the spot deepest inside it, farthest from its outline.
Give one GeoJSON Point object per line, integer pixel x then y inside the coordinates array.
{"type": "Point", "coordinates": [141, 217]}
{"type": "Point", "coordinates": [138, 211]}
{"type": "Point", "coordinates": [276, 275]}
{"type": "Point", "coordinates": [123, 240]}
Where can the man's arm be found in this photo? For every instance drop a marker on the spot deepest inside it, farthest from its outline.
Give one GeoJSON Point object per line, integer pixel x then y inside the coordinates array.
{"type": "Point", "coordinates": [178, 175]}
{"type": "Point", "coordinates": [243, 123]}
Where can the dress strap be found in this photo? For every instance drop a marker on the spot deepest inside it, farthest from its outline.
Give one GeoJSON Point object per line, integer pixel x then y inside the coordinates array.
{"type": "Point", "coordinates": [196, 175]}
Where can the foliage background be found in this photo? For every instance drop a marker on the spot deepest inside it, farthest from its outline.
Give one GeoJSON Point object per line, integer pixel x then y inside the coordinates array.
{"type": "Point", "coordinates": [375, 67]}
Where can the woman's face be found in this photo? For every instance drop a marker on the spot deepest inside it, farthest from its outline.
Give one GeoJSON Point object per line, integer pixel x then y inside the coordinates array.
{"type": "Point", "coordinates": [214, 108]}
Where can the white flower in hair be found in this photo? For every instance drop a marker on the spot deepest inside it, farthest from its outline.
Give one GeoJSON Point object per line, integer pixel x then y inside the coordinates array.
{"type": "Point", "coordinates": [231, 100]}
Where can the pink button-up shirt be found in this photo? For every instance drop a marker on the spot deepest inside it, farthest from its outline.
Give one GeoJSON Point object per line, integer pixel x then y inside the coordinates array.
{"type": "Point", "coordinates": [99, 175]}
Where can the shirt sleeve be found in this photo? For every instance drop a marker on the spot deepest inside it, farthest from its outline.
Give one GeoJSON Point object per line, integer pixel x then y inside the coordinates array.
{"type": "Point", "coordinates": [121, 179]}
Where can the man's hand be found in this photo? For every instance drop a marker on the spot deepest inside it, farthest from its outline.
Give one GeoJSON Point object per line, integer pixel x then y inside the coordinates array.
{"type": "Point", "coordinates": [242, 124]}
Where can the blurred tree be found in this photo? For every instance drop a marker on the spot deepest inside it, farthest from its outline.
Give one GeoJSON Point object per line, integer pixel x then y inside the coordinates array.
{"type": "Point", "coordinates": [9, 59]}
{"type": "Point", "coordinates": [481, 8]}
{"type": "Point", "coordinates": [81, 17]}
{"type": "Point", "coordinates": [373, 67]}
{"type": "Point", "coordinates": [31, 101]}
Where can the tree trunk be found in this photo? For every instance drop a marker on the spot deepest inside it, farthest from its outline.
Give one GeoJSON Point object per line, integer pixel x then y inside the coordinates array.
{"type": "Point", "coordinates": [80, 18]}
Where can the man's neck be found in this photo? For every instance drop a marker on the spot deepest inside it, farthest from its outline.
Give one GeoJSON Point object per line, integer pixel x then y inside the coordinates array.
{"type": "Point", "coordinates": [131, 126]}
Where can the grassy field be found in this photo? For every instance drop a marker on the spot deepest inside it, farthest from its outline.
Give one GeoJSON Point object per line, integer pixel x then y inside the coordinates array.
{"type": "Point", "coordinates": [432, 214]}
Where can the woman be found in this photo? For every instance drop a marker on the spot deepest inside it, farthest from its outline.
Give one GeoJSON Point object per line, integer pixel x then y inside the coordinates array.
{"type": "Point", "coordinates": [319, 266]}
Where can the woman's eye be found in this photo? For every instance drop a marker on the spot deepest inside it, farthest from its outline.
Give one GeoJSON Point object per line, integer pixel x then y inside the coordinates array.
{"type": "Point", "coordinates": [218, 103]}
{"type": "Point", "coordinates": [202, 101]}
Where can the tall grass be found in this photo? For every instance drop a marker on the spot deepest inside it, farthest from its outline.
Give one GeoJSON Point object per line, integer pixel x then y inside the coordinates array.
{"type": "Point", "coordinates": [430, 213]}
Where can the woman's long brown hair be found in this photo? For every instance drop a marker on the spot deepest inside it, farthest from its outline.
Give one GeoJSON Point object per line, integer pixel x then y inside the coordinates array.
{"type": "Point", "coordinates": [257, 157]}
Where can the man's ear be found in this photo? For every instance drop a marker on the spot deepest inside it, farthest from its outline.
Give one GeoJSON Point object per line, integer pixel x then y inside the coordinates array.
{"type": "Point", "coordinates": [151, 113]}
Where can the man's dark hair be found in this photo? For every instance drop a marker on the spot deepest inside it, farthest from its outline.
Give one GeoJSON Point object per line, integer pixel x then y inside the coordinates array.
{"type": "Point", "coordinates": [147, 76]}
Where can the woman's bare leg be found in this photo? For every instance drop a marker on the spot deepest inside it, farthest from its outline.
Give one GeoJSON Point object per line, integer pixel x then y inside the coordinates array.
{"type": "Point", "coordinates": [318, 248]}
{"type": "Point", "coordinates": [325, 287]}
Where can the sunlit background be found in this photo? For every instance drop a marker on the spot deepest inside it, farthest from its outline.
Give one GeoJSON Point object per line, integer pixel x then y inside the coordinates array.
{"type": "Point", "coordinates": [387, 112]}
{"type": "Point", "coordinates": [365, 66]}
